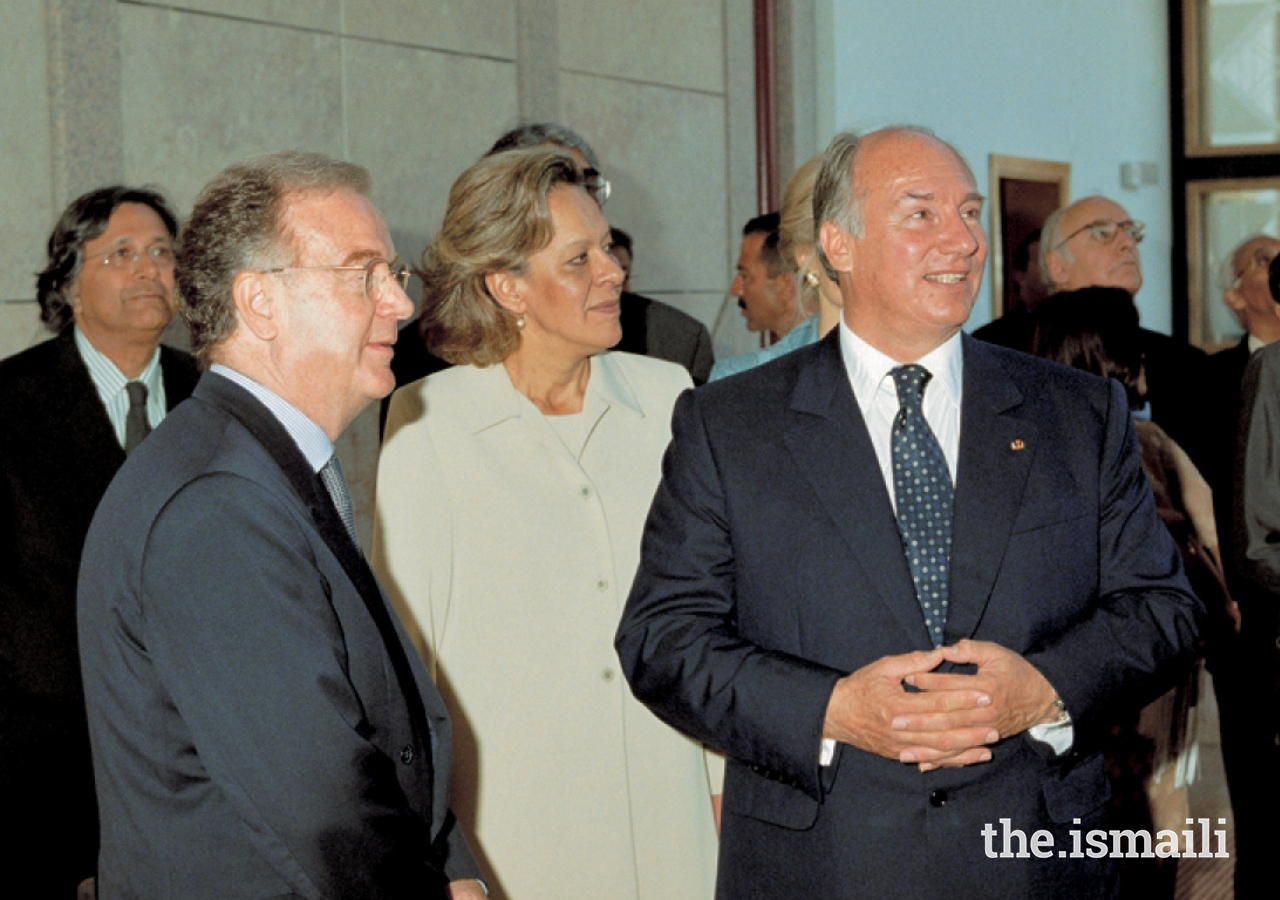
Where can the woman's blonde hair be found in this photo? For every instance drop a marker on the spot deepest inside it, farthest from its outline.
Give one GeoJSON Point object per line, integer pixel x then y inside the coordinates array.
{"type": "Point", "coordinates": [498, 216]}
{"type": "Point", "coordinates": [796, 232]}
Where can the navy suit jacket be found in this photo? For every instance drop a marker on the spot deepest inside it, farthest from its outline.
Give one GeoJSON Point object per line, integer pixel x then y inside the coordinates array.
{"type": "Point", "coordinates": [261, 724]}
{"type": "Point", "coordinates": [772, 566]}
{"type": "Point", "coordinates": [58, 453]}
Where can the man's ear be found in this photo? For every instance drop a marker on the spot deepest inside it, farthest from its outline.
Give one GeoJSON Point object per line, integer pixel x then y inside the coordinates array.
{"type": "Point", "coordinates": [258, 304]}
{"type": "Point", "coordinates": [837, 246]}
{"type": "Point", "coordinates": [1234, 299]}
{"type": "Point", "coordinates": [506, 288]}
{"type": "Point", "coordinates": [1057, 268]}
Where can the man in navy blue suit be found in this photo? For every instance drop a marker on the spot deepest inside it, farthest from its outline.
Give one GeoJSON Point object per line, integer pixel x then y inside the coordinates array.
{"type": "Point", "coordinates": [892, 664]}
{"type": "Point", "coordinates": [261, 724]}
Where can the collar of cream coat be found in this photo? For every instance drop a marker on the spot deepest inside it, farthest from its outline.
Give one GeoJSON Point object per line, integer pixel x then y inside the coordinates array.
{"type": "Point", "coordinates": [491, 398]}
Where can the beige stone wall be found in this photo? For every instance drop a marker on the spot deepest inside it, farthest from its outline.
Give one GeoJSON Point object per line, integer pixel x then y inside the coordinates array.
{"type": "Point", "coordinates": [168, 93]}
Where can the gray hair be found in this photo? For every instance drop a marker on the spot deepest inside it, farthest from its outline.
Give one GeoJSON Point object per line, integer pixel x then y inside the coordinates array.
{"type": "Point", "coordinates": [1051, 242]}
{"type": "Point", "coordinates": [238, 225]}
{"type": "Point", "coordinates": [540, 134]}
{"type": "Point", "coordinates": [834, 197]}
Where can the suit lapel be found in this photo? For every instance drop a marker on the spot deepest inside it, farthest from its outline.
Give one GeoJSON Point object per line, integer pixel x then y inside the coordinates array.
{"type": "Point", "coordinates": [180, 374]}
{"type": "Point", "coordinates": [828, 439]}
{"type": "Point", "coordinates": [273, 437]}
{"type": "Point", "coordinates": [997, 446]}
{"type": "Point", "coordinates": [92, 441]}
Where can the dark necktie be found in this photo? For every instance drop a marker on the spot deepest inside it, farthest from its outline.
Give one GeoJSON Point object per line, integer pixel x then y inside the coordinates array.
{"type": "Point", "coordinates": [136, 426]}
{"type": "Point", "coordinates": [923, 493]}
{"type": "Point", "coordinates": [336, 483]}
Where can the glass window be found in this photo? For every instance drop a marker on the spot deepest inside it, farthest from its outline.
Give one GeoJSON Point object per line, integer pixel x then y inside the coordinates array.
{"type": "Point", "coordinates": [1234, 76]}
{"type": "Point", "coordinates": [1222, 214]}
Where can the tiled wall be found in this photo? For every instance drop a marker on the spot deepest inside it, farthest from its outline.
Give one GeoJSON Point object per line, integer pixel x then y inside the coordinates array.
{"type": "Point", "coordinates": [168, 93]}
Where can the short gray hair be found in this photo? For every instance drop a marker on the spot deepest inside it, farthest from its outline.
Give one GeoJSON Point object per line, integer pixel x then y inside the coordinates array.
{"type": "Point", "coordinates": [1051, 241]}
{"type": "Point", "coordinates": [540, 134]}
{"type": "Point", "coordinates": [238, 225]}
{"type": "Point", "coordinates": [834, 197]}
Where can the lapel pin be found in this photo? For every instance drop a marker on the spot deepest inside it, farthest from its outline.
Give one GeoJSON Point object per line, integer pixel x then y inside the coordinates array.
{"type": "Point", "coordinates": [1018, 445]}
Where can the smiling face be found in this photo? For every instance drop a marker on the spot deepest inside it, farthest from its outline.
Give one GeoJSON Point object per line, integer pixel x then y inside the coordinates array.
{"type": "Point", "coordinates": [568, 292]}
{"type": "Point", "coordinates": [335, 346]}
{"type": "Point", "coordinates": [133, 302]}
{"type": "Point", "coordinates": [910, 281]}
{"type": "Point", "coordinates": [1089, 262]}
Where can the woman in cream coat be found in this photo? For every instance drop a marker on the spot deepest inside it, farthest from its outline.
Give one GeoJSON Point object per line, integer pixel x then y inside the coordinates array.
{"type": "Point", "coordinates": [512, 492]}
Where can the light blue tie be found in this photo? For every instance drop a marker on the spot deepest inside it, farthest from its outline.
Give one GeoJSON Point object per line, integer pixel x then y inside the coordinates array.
{"type": "Point", "coordinates": [924, 495]}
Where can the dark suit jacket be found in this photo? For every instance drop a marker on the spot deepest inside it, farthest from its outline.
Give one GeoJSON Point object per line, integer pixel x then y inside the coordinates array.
{"type": "Point", "coordinates": [1177, 377]}
{"type": "Point", "coordinates": [1256, 529]}
{"type": "Point", "coordinates": [653, 328]}
{"type": "Point", "coordinates": [261, 724]}
{"type": "Point", "coordinates": [1222, 425]}
{"type": "Point", "coordinates": [772, 566]}
{"type": "Point", "coordinates": [58, 453]}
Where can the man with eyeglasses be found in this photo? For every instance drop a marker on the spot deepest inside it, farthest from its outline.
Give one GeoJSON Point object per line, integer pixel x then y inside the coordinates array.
{"type": "Point", "coordinates": [262, 725]}
{"type": "Point", "coordinates": [72, 408]}
{"type": "Point", "coordinates": [1093, 242]}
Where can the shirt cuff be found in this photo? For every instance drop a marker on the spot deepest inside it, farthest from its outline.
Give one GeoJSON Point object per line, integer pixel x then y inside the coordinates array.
{"type": "Point", "coordinates": [1058, 735]}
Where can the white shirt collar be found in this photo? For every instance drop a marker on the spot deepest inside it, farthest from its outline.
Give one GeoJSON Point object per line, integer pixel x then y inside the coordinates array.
{"type": "Point", "coordinates": [310, 437]}
{"type": "Point", "coordinates": [868, 367]}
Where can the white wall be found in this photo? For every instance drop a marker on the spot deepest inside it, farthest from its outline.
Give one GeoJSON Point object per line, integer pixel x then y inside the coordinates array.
{"type": "Point", "coordinates": [1086, 82]}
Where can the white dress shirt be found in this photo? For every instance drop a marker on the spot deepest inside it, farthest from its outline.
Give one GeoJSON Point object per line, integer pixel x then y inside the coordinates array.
{"type": "Point", "coordinates": [877, 396]}
{"type": "Point", "coordinates": [110, 382]}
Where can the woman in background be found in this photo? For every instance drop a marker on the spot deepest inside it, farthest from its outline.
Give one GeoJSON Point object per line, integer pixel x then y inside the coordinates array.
{"type": "Point", "coordinates": [819, 295]}
{"type": "Point", "coordinates": [512, 492]}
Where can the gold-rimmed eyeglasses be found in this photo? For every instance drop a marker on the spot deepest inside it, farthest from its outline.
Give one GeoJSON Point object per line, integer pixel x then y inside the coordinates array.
{"type": "Point", "coordinates": [126, 255]}
{"type": "Point", "coordinates": [1104, 231]}
{"type": "Point", "coordinates": [378, 275]}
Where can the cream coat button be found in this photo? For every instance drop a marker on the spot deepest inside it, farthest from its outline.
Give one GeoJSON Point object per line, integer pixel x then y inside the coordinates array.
{"type": "Point", "coordinates": [608, 675]}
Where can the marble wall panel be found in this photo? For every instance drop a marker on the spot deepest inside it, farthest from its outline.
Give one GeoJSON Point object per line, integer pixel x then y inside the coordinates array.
{"type": "Point", "coordinates": [202, 92]}
{"type": "Point", "coordinates": [481, 27]}
{"type": "Point", "coordinates": [664, 151]}
{"type": "Point", "coordinates": [26, 212]}
{"type": "Point", "coordinates": [679, 44]}
{"type": "Point", "coordinates": [417, 119]}
{"type": "Point", "coordinates": [321, 15]}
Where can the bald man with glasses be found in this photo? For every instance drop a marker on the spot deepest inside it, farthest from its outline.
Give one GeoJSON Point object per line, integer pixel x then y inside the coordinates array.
{"type": "Point", "coordinates": [1093, 242]}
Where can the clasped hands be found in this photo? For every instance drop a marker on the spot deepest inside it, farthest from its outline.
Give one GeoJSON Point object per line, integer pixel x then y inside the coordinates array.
{"type": "Point", "coordinates": [949, 720]}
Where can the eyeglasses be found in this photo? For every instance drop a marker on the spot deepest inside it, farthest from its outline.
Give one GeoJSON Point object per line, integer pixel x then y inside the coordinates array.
{"type": "Point", "coordinates": [125, 256]}
{"type": "Point", "coordinates": [1261, 258]}
{"type": "Point", "coordinates": [378, 275]}
{"type": "Point", "coordinates": [597, 186]}
{"type": "Point", "coordinates": [1104, 231]}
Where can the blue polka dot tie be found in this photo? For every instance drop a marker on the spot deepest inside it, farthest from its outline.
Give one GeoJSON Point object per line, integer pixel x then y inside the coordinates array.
{"type": "Point", "coordinates": [924, 495]}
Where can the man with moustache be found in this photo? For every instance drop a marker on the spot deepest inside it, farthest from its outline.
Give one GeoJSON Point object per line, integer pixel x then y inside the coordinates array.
{"type": "Point", "coordinates": [262, 726]}
{"type": "Point", "coordinates": [72, 408]}
{"type": "Point", "coordinates": [763, 283]}
{"type": "Point", "coordinates": [904, 617]}
{"type": "Point", "coordinates": [1094, 243]}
